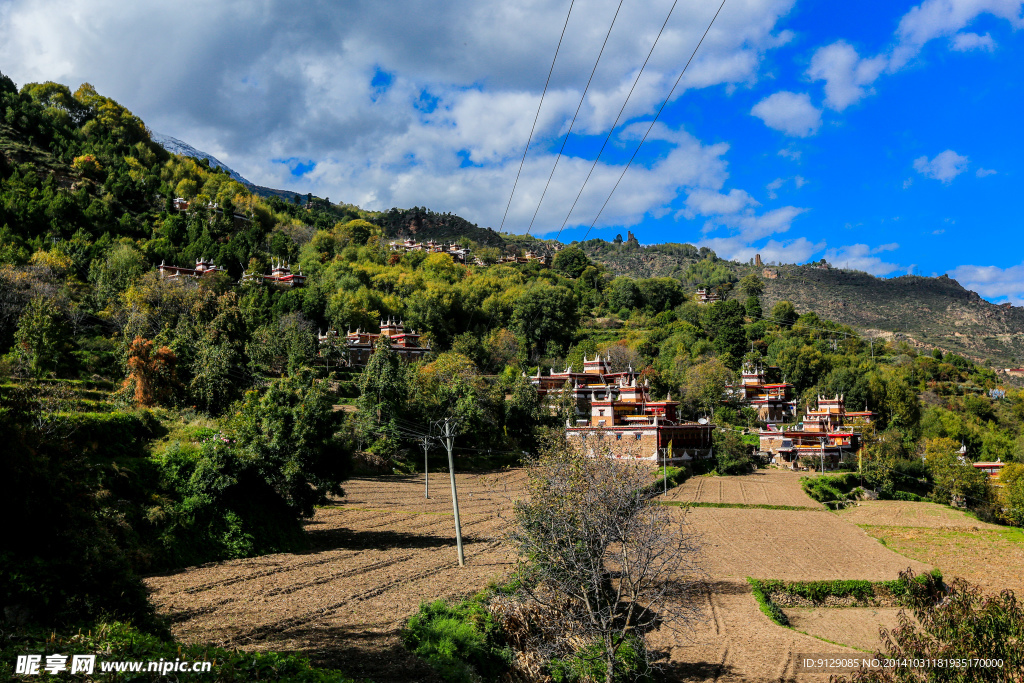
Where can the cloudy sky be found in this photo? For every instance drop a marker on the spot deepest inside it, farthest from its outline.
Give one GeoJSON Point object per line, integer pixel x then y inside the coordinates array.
{"type": "Point", "coordinates": [883, 136]}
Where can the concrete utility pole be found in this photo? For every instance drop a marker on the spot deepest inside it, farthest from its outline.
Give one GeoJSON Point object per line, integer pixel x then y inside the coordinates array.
{"type": "Point", "coordinates": [426, 468]}
{"type": "Point", "coordinates": [822, 440]}
{"type": "Point", "coordinates": [449, 442]}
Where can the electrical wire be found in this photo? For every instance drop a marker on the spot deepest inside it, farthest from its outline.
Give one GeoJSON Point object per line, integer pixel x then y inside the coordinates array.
{"type": "Point", "coordinates": [615, 123]}
{"type": "Point", "coordinates": [573, 123]}
{"type": "Point", "coordinates": [655, 120]}
{"type": "Point", "coordinates": [537, 115]}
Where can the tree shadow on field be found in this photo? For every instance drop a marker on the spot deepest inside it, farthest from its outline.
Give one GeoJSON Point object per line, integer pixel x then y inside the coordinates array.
{"type": "Point", "coordinates": [728, 587]}
{"type": "Point", "coordinates": [337, 539]}
{"type": "Point", "coordinates": [693, 671]}
{"type": "Point", "coordinates": [363, 655]}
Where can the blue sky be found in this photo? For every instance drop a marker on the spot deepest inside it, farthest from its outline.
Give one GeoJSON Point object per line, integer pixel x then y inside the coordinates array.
{"type": "Point", "coordinates": [883, 136]}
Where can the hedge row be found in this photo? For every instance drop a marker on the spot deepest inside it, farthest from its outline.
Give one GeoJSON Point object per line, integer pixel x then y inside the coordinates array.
{"type": "Point", "coordinates": [862, 591]}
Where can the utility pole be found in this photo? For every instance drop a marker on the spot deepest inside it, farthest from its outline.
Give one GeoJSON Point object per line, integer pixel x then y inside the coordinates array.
{"type": "Point", "coordinates": [449, 441]}
{"type": "Point", "coordinates": [426, 469]}
{"type": "Point", "coordinates": [822, 439]}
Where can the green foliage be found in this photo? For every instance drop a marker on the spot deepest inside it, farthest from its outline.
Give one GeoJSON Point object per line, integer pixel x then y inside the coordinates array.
{"type": "Point", "coordinates": [768, 608]}
{"type": "Point", "coordinates": [461, 641]}
{"type": "Point", "coordinates": [288, 432]}
{"type": "Point", "coordinates": [39, 339]}
{"type": "Point", "coordinates": [834, 490]}
{"type": "Point", "coordinates": [570, 262]}
{"type": "Point", "coordinates": [731, 454]}
{"type": "Point", "coordinates": [588, 664]}
{"type": "Point", "coordinates": [955, 621]}
{"type": "Point", "coordinates": [546, 317]}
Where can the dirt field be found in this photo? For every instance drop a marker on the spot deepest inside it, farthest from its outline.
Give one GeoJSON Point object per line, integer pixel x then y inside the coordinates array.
{"type": "Point", "coordinates": [376, 556]}
{"type": "Point", "coordinates": [958, 544]}
{"type": "Point", "coordinates": [903, 513]}
{"type": "Point", "coordinates": [386, 548]}
{"type": "Point", "coordinates": [764, 487]}
{"type": "Point", "coordinates": [853, 626]}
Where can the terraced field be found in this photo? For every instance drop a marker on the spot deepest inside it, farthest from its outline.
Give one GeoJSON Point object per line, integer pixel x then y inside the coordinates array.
{"type": "Point", "coordinates": [384, 548]}
{"type": "Point", "coordinates": [377, 554]}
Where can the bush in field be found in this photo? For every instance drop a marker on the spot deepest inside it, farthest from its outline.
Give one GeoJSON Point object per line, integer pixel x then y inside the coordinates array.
{"type": "Point", "coordinates": [462, 641]}
{"type": "Point", "coordinates": [951, 622]}
{"type": "Point", "coordinates": [598, 553]}
{"type": "Point", "coordinates": [731, 454]}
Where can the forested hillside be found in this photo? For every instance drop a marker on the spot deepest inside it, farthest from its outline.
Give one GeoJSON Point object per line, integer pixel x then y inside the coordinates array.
{"type": "Point", "coordinates": [153, 423]}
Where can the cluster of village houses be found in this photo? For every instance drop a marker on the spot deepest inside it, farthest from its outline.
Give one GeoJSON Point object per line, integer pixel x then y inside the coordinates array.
{"type": "Point", "coordinates": [614, 410]}
{"type": "Point", "coordinates": [461, 254]}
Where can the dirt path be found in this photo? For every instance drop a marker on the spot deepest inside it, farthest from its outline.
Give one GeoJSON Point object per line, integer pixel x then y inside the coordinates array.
{"type": "Point", "coordinates": [385, 548]}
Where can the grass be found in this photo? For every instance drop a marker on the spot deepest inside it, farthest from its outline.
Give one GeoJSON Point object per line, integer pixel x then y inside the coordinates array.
{"type": "Point", "coordinates": [989, 557]}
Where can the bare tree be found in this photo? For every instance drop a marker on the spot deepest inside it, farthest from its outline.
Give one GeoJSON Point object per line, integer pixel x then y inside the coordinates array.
{"type": "Point", "coordinates": [612, 563]}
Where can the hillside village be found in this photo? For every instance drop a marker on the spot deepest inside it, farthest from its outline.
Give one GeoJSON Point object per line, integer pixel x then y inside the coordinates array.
{"type": "Point", "coordinates": [237, 459]}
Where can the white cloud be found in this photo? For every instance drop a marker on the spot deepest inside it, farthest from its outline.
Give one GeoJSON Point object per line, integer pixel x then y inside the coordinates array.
{"type": "Point", "coordinates": [253, 82]}
{"type": "Point", "coordinates": [937, 18]}
{"type": "Point", "coordinates": [789, 112]}
{"type": "Point", "coordinates": [847, 76]}
{"type": "Point", "coordinates": [792, 251]}
{"type": "Point", "coordinates": [945, 166]}
{"type": "Point", "coordinates": [863, 257]}
{"type": "Point", "coordinates": [774, 186]}
{"type": "Point", "coordinates": [993, 282]}
{"type": "Point", "coordinates": [984, 172]}
{"type": "Point", "coordinates": [790, 153]}
{"type": "Point", "coordinates": [711, 203]}
{"type": "Point", "coordinates": [965, 42]}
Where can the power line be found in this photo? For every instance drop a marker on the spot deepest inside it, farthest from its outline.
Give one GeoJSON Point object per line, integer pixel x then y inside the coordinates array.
{"type": "Point", "coordinates": [536, 116]}
{"type": "Point", "coordinates": [655, 120]}
{"type": "Point", "coordinates": [578, 106]}
{"type": "Point", "coordinates": [612, 129]}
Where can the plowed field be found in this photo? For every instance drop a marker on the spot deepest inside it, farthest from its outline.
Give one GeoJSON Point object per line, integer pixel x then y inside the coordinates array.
{"type": "Point", "coordinates": [986, 554]}
{"type": "Point", "coordinates": [376, 555]}
{"type": "Point", "coordinates": [384, 548]}
{"type": "Point", "coordinates": [764, 487]}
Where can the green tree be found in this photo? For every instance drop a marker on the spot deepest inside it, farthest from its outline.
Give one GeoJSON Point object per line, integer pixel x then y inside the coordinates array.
{"type": "Point", "coordinates": [752, 285]}
{"type": "Point", "coordinates": [547, 318]}
{"type": "Point", "coordinates": [724, 323]}
{"type": "Point", "coordinates": [705, 384]}
{"type": "Point", "coordinates": [382, 395]}
{"type": "Point", "coordinates": [288, 431]}
{"type": "Point", "coordinates": [954, 478]}
{"type": "Point", "coordinates": [660, 293]}
{"type": "Point", "coordinates": [623, 293]}
{"type": "Point", "coordinates": [570, 262]}
{"type": "Point", "coordinates": [40, 338]}
{"type": "Point", "coordinates": [732, 456]}
{"type": "Point", "coordinates": [784, 314]}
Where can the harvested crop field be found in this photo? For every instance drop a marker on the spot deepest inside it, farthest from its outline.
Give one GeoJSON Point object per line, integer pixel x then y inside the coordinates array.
{"type": "Point", "coordinates": [376, 556]}
{"type": "Point", "coordinates": [991, 558]}
{"type": "Point", "coordinates": [764, 487]}
{"type": "Point", "coordinates": [904, 513]}
{"type": "Point", "coordinates": [857, 627]}
{"type": "Point", "coordinates": [384, 548]}
{"type": "Point", "coordinates": [989, 555]}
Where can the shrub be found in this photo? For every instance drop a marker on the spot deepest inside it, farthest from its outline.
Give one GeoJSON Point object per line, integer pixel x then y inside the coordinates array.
{"type": "Point", "coordinates": [587, 664]}
{"type": "Point", "coordinates": [460, 641]}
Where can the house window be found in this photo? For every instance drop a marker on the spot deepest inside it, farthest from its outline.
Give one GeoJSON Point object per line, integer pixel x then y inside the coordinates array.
{"type": "Point", "coordinates": [601, 412]}
{"type": "Point", "coordinates": [618, 437]}
{"type": "Point", "coordinates": [638, 436]}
